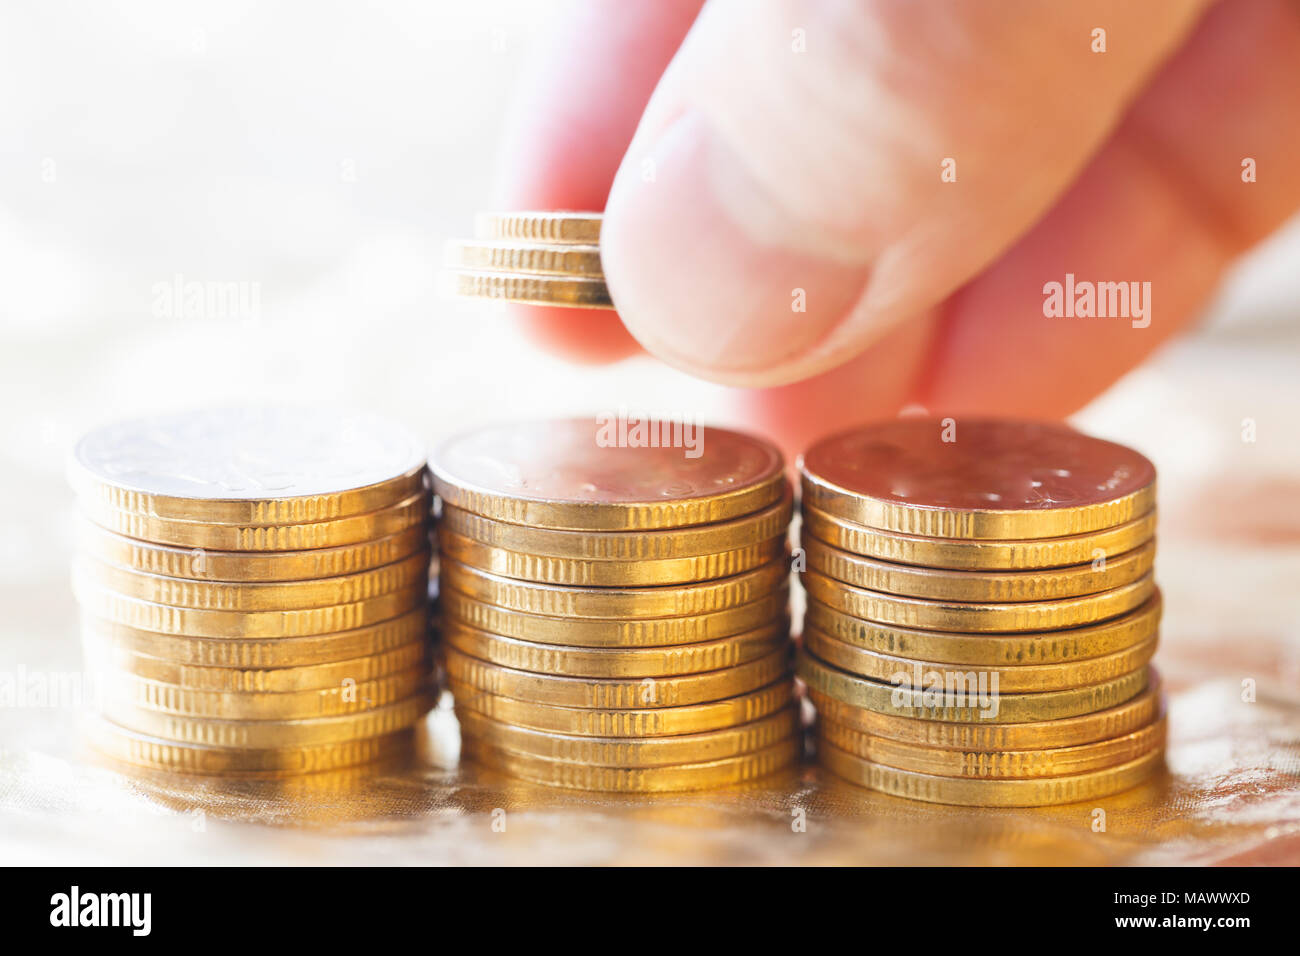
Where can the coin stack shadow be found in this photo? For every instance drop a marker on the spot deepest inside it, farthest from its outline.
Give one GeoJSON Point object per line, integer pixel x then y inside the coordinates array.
{"type": "Point", "coordinates": [615, 618]}
{"type": "Point", "coordinates": [543, 258]}
{"type": "Point", "coordinates": [254, 636]}
{"type": "Point", "coordinates": [968, 655]}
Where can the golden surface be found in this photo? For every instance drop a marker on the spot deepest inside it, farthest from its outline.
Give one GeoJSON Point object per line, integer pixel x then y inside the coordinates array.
{"type": "Point", "coordinates": [1049, 791]}
{"type": "Point", "coordinates": [772, 521]}
{"type": "Point", "coordinates": [411, 512]}
{"type": "Point", "coordinates": [918, 702]}
{"type": "Point", "coordinates": [205, 565]}
{"type": "Point", "coordinates": [304, 509]}
{"type": "Point", "coordinates": [959, 616]}
{"type": "Point", "coordinates": [573, 474]}
{"type": "Point", "coordinates": [991, 650]}
{"type": "Point", "coordinates": [193, 622]}
{"type": "Point", "coordinates": [497, 256]}
{"type": "Point", "coordinates": [995, 764]}
{"type": "Point", "coordinates": [617, 662]}
{"type": "Point", "coordinates": [126, 693]}
{"type": "Point", "coordinates": [270, 734]}
{"type": "Point", "coordinates": [649, 722]}
{"type": "Point", "coordinates": [272, 652]}
{"type": "Point", "coordinates": [150, 752]}
{"type": "Point", "coordinates": [576, 227]}
{"type": "Point", "coordinates": [636, 751]}
{"type": "Point", "coordinates": [1006, 524]}
{"type": "Point", "coordinates": [534, 289]}
{"type": "Point", "coordinates": [615, 693]}
{"type": "Point", "coordinates": [726, 771]}
{"type": "Point", "coordinates": [973, 554]}
{"type": "Point", "coordinates": [612, 633]}
{"type": "Point", "coordinates": [579, 572]}
{"type": "Point", "coordinates": [260, 596]}
{"type": "Point", "coordinates": [1061, 732]}
{"type": "Point", "coordinates": [614, 603]}
{"type": "Point", "coordinates": [1020, 677]}
{"type": "Point", "coordinates": [263, 680]}
{"type": "Point", "coordinates": [979, 586]}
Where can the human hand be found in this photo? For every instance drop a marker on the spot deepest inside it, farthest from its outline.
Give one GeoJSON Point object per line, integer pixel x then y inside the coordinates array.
{"type": "Point", "coordinates": [754, 170]}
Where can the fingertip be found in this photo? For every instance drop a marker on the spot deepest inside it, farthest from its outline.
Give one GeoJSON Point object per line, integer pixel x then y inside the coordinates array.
{"type": "Point", "coordinates": [578, 106]}
{"type": "Point", "coordinates": [695, 284]}
{"type": "Point", "coordinates": [580, 99]}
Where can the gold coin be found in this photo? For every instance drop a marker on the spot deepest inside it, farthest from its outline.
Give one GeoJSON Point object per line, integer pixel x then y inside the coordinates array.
{"type": "Point", "coordinates": [1064, 732]}
{"type": "Point", "coordinates": [633, 752]}
{"type": "Point", "coordinates": [981, 618]}
{"type": "Point", "coordinates": [578, 227]}
{"type": "Point", "coordinates": [652, 722]}
{"type": "Point", "coordinates": [582, 573]}
{"type": "Point", "coordinates": [999, 764]}
{"type": "Point", "coordinates": [615, 603]}
{"type": "Point", "coordinates": [963, 703]}
{"type": "Point", "coordinates": [538, 289]}
{"type": "Point", "coordinates": [618, 662]}
{"type": "Point", "coordinates": [977, 479]}
{"type": "Point", "coordinates": [147, 616]}
{"type": "Point", "coordinates": [578, 632]}
{"type": "Point", "coordinates": [153, 753]}
{"type": "Point", "coordinates": [347, 697]}
{"type": "Point", "coordinates": [692, 776]}
{"type": "Point", "coordinates": [979, 586]}
{"type": "Point", "coordinates": [609, 474]}
{"type": "Point", "coordinates": [277, 652]}
{"type": "Point", "coordinates": [249, 566]}
{"type": "Point", "coordinates": [249, 466]}
{"type": "Point", "coordinates": [1020, 677]}
{"type": "Point", "coordinates": [974, 554]}
{"type": "Point", "coordinates": [702, 540]}
{"type": "Point", "coordinates": [275, 596]}
{"type": "Point", "coordinates": [548, 258]}
{"type": "Point", "coordinates": [1043, 792]}
{"type": "Point", "coordinates": [634, 694]}
{"type": "Point", "coordinates": [97, 497]}
{"type": "Point", "coordinates": [274, 734]}
{"type": "Point", "coordinates": [411, 512]}
{"type": "Point", "coordinates": [991, 650]}
{"type": "Point", "coordinates": [275, 680]}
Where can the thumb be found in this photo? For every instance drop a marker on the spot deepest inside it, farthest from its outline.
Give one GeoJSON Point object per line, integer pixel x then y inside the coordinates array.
{"type": "Point", "coordinates": [808, 174]}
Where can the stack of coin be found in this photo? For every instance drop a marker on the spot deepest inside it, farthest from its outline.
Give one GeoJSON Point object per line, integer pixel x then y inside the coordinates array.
{"type": "Point", "coordinates": [614, 612]}
{"type": "Point", "coordinates": [254, 589]}
{"type": "Point", "coordinates": [981, 611]}
{"type": "Point", "coordinates": [543, 258]}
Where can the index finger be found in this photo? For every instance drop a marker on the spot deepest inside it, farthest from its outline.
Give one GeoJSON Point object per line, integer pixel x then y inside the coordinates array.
{"type": "Point", "coordinates": [578, 105]}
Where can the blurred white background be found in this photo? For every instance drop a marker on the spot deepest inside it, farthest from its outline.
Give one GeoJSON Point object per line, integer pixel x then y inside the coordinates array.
{"type": "Point", "coordinates": [312, 157]}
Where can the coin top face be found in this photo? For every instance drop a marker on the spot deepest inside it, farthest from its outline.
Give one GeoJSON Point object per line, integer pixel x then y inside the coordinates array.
{"type": "Point", "coordinates": [989, 465]}
{"type": "Point", "coordinates": [588, 461]}
{"type": "Point", "coordinates": [249, 453]}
